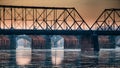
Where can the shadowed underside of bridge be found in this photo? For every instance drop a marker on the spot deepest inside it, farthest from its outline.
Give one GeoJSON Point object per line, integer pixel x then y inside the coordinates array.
{"type": "Point", "coordinates": [55, 21]}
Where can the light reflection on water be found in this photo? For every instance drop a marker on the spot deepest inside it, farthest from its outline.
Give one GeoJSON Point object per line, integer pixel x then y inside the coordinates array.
{"type": "Point", "coordinates": [23, 56]}
{"type": "Point", "coordinates": [65, 58]}
{"type": "Point", "coordinates": [57, 56]}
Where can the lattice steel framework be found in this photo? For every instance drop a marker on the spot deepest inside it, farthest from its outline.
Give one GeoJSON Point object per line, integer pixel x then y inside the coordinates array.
{"type": "Point", "coordinates": [109, 20]}
{"type": "Point", "coordinates": [41, 18]}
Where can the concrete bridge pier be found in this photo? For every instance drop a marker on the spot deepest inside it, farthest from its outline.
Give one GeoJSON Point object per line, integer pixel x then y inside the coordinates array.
{"type": "Point", "coordinates": [79, 46]}
{"type": "Point", "coordinates": [96, 47]}
{"type": "Point", "coordinates": [48, 53]}
{"type": "Point", "coordinates": [89, 47]}
{"type": "Point", "coordinates": [89, 43]}
{"type": "Point", "coordinates": [12, 41]}
{"type": "Point", "coordinates": [48, 42]}
{"type": "Point", "coordinates": [95, 43]}
{"type": "Point", "coordinates": [13, 48]}
{"type": "Point", "coordinates": [112, 40]}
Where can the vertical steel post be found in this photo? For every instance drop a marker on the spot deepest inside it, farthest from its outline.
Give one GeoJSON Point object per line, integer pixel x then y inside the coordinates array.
{"type": "Point", "coordinates": [25, 18]}
{"type": "Point", "coordinates": [3, 17]}
{"type": "Point", "coordinates": [11, 19]}
{"type": "Point", "coordinates": [0, 17]}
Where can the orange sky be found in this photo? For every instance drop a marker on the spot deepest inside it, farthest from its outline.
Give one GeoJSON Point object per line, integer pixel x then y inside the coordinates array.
{"type": "Point", "coordinates": [88, 9]}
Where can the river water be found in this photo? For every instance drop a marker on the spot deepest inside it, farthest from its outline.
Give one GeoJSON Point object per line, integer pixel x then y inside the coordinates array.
{"type": "Point", "coordinates": [60, 55]}
{"type": "Point", "coordinates": [57, 58]}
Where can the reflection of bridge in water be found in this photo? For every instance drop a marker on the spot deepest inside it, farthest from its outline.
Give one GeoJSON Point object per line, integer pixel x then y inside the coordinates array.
{"type": "Point", "coordinates": [17, 20]}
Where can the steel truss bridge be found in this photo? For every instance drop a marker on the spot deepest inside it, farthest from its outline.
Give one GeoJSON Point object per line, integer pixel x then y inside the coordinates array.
{"type": "Point", "coordinates": [55, 21]}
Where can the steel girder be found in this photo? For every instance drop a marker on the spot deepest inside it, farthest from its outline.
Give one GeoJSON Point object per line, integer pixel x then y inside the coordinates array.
{"type": "Point", "coordinates": [41, 18]}
{"type": "Point", "coordinates": [109, 20]}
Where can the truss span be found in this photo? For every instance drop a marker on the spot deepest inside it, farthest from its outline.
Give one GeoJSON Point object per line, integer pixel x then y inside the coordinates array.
{"type": "Point", "coordinates": [41, 18]}
{"type": "Point", "coordinates": [55, 21]}
{"type": "Point", "coordinates": [109, 20]}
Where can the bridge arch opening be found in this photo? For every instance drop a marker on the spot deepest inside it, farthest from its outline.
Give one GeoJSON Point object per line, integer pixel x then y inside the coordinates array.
{"type": "Point", "coordinates": [117, 41]}
{"type": "Point", "coordinates": [23, 41]}
{"type": "Point", "coordinates": [57, 41]}
{"type": "Point", "coordinates": [23, 50]}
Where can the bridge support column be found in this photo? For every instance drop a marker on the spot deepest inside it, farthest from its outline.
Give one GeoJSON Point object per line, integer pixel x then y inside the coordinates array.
{"type": "Point", "coordinates": [48, 59]}
{"type": "Point", "coordinates": [79, 38]}
{"type": "Point", "coordinates": [95, 43]}
{"type": "Point", "coordinates": [48, 42]}
{"type": "Point", "coordinates": [12, 47]}
{"type": "Point", "coordinates": [12, 41]}
{"type": "Point", "coordinates": [95, 47]}
{"type": "Point", "coordinates": [112, 40]}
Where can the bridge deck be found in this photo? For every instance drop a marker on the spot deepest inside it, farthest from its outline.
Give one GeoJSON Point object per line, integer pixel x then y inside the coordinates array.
{"type": "Point", "coordinates": [57, 32]}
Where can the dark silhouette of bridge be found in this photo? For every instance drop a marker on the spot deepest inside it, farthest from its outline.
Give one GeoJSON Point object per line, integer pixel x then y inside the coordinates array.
{"type": "Point", "coordinates": [31, 20]}
{"type": "Point", "coordinates": [55, 20]}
